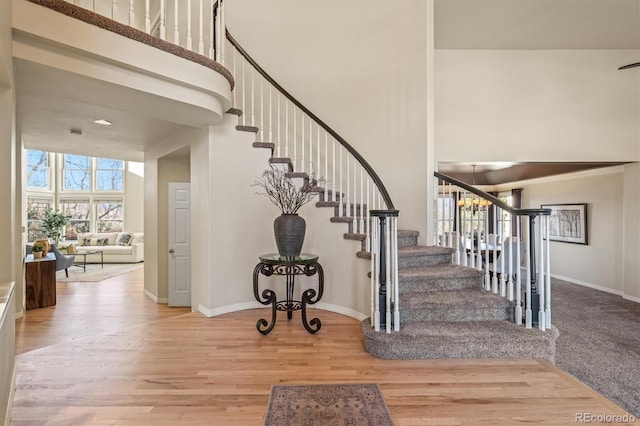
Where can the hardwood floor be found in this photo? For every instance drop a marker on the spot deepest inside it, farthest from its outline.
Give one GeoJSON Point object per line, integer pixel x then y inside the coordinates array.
{"type": "Point", "coordinates": [107, 355]}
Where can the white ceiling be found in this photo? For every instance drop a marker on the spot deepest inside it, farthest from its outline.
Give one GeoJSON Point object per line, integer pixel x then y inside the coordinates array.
{"type": "Point", "coordinates": [50, 103]}
{"type": "Point", "coordinates": [537, 24]}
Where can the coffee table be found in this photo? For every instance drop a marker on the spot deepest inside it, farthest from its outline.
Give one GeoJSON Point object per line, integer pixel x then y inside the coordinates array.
{"type": "Point", "coordinates": [83, 264]}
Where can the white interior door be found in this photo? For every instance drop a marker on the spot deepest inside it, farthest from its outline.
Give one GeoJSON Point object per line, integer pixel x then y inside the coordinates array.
{"type": "Point", "coordinates": [179, 244]}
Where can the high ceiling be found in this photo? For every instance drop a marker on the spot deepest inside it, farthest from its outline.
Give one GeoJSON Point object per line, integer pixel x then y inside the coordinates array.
{"type": "Point", "coordinates": [537, 24]}
{"type": "Point", "coordinates": [50, 104]}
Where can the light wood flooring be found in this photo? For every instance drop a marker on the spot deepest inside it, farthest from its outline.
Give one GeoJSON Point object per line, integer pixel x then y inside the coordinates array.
{"type": "Point", "coordinates": [107, 355]}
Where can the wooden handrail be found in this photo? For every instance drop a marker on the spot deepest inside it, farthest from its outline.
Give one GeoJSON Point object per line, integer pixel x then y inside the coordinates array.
{"type": "Point", "coordinates": [374, 176]}
{"type": "Point", "coordinates": [495, 200]}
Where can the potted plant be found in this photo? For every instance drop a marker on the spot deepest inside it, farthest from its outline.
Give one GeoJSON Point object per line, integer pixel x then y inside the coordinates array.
{"type": "Point", "coordinates": [52, 224]}
{"type": "Point", "coordinates": [37, 249]}
{"type": "Point", "coordinates": [289, 228]}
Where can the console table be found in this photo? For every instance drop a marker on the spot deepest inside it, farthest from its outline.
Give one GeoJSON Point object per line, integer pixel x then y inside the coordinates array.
{"type": "Point", "coordinates": [273, 264]}
{"type": "Point", "coordinates": [40, 280]}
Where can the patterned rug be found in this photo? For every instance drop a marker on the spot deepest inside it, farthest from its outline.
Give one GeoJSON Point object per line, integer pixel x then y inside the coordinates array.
{"type": "Point", "coordinates": [95, 272]}
{"type": "Point", "coordinates": [319, 405]}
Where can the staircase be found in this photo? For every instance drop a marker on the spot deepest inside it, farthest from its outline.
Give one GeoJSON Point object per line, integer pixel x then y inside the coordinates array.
{"type": "Point", "coordinates": [446, 313]}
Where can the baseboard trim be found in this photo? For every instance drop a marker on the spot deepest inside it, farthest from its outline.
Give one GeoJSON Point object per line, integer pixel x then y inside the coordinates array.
{"type": "Point", "coordinates": [340, 310]}
{"type": "Point", "coordinates": [228, 309]}
{"type": "Point", "coordinates": [255, 305]}
{"type": "Point", "coordinates": [590, 285]}
{"type": "Point", "coordinates": [20, 314]}
{"type": "Point", "coordinates": [631, 298]}
{"type": "Point", "coordinates": [12, 394]}
{"type": "Point", "coordinates": [151, 296]}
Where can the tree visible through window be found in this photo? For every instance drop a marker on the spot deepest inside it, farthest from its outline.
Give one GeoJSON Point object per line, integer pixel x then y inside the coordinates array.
{"type": "Point", "coordinates": [35, 212]}
{"type": "Point", "coordinates": [77, 172]}
{"type": "Point", "coordinates": [109, 215]}
{"type": "Point", "coordinates": [37, 169]}
{"type": "Point", "coordinates": [109, 174]}
{"type": "Point", "coordinates": [80, 212]}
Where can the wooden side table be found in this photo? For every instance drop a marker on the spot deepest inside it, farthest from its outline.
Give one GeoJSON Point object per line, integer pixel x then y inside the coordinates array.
{"type": "Point", "coordinates": [40, 278]}
{"type": "Point", "coordinates": [274, 264]}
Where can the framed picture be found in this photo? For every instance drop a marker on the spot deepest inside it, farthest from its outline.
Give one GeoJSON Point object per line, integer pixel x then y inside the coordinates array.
{"type": "Point", "coordinates": [568, 223]}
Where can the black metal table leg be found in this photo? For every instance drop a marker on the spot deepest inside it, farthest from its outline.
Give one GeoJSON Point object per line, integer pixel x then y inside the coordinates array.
{"type": "Point", "coordinates": [268, 295]}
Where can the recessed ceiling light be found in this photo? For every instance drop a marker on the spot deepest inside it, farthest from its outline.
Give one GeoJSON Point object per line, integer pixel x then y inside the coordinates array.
{"type": "Point", "coordinates": [102, 122]}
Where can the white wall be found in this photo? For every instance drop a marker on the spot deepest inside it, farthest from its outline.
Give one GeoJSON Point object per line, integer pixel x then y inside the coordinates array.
{"type": "Point", "coordinates": [241, 229]}
{"type": "Point", "coordinates": [631, 236]}
{"type": "Point", "coordinates": [536, 105]}
{"type": "Point", "coordinates": [134, 202]}
{"type": "Point", "coordinates": [366, 78]}
{"type": "Point", "coordinates": [600, 263]}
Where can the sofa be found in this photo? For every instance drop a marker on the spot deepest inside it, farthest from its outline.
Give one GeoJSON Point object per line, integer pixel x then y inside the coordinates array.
{"type": "Point", "coordinates": [117, 247]}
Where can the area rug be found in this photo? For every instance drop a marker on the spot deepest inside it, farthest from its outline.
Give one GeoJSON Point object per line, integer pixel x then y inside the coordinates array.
{"type": "Point", "coordinates": [96, 273]}
{"type": "Point", "coordinates": [319, 405]}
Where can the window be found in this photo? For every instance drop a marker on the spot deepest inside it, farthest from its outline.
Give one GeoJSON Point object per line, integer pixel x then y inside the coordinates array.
{"type": "Point", "coordinates": [37, 169]}
{"type": "Point", "coordinates": [76, 172]}
{"type": "Point", "coordinates": [109, 215]}
{"type": "Point", "coordinates": [80, 212]}
{"type": "Point", "coordinates": [36, 207]}
{"type": "Point", "coordinates": [109, 174]}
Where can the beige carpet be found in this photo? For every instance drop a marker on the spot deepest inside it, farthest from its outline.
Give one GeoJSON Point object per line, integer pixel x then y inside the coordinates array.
{"type": "Point", "coordinates": [95, 272]}
{"type": "Point", "coordinates": [319, 405]}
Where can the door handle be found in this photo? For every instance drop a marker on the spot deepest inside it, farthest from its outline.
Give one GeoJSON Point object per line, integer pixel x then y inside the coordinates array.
{"type": "Point", "coordinates": [172, 251]}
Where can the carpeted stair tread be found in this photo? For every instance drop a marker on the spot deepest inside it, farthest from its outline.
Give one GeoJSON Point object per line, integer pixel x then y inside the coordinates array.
{"type": "Point", "coordinates": [465, 339]}
{"type": "Point", "coordinates": [411, 251]}
{"type": "Point", "coordinates": [234, 111]}
{"type": "Point", "coordinates": [343, 219]}
{"type": "Point", "coordinates": [251, 129]}
{"type": "Point", "coordinates": [462, 305]}
{"type": "Point", "coordinates": [355, 236]}
{"type": "Point", "coordinates": [439, 277]}
{"type": "Point", "coordinates": [267, 145]}
{"type": "Point", "coordinates": [327, 203]}
{"type": "Point", "coordinates": [282, 160]}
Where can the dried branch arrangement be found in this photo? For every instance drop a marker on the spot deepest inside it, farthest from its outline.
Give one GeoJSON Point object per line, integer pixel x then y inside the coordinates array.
{"type": "Point", "coordinates": [279, 187]}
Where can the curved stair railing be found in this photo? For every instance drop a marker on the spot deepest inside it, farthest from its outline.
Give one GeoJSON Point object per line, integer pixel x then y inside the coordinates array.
{"type": "Point", "coordinates": [307, 146]}
{"type": "Point", "coordinates": [509, 244]}
{"type": "Point", "coordinates": [298, 139]}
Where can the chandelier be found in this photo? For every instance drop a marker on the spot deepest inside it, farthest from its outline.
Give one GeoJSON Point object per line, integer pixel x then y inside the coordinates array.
{"type": "Point", "coordinates": [474, 204]}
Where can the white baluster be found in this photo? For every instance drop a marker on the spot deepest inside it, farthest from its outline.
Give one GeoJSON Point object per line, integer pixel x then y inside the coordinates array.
{"type": "Point", "coordinates": [223, 29]}
{"type": "Point", "coordinates": [519, 272]}
{"type": "Point", "coordinates": [147, 18]}
{"type": "Point", "coordinates": [326, 165]}
{"type": "Point", "coordinates": [376, 254]}
{"type": "Point", "coordinates": [372, 266]}
{"type": "Point", "coordinates": [114, 10]}
{"type": "Point", "coordinates": [396, 290]}
{"type": "Point", "coordinates": [540, 278]}
{"type": "Point", "coordinates": [176, 32]}
{"type": "Point", "coordinates": [278, 122]}
{"type": "Point", "coordinates": [333, 168]}
{"type": "Point", "coordinates": [388, 281]}
{"type": "Point", "coordinates": [189, 37]}
{"type": "Point", "coordinates": [163, 27]}
{"type": "Point", "coordinates": [527, 298]}
{"type": "Point", "coordinates": [311, 146]}
{"type": "Point", "coordinates": [200, 28]}
{"type": "Point", "coordinates": [244, 87]}
{"type": "Point", "coordinates": [355, 197]}
{"type": "Point", "coordinates": [262, 128]}
{"type": "Point", "coordinates": [94, 9]}
{"type": "Point", "coordinates": [347, 204]}
{"type": "Point", "coordinates": [132, 14]}
{"type": "Point", "coordinates": [340, 199]}
{"type": "Point", "coordinates": [212, 52]}
{"type": "Point", "coordinates": [253, 97]}
{"type": "Point", "coordinates": [367, 243]}
{"type": "Point", "coordinates": [487, 278]}
{"type": "Point", "coordinates": [547, 279]}
{"type": "Point", "coordinates": [324, 190]}
{"type": "Point", "coordinates": [295, 142]}
{"type": "Point", "coordinates": [362, 205]}
{"type": "Point", "coordinates": [302, 145]}
{"type": "Point", "coordinates": [286, 127]}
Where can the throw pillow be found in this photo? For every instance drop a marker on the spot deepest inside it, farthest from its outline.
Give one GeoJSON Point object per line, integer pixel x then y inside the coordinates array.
{"type": "Point", "coordinates": [124, 239]}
